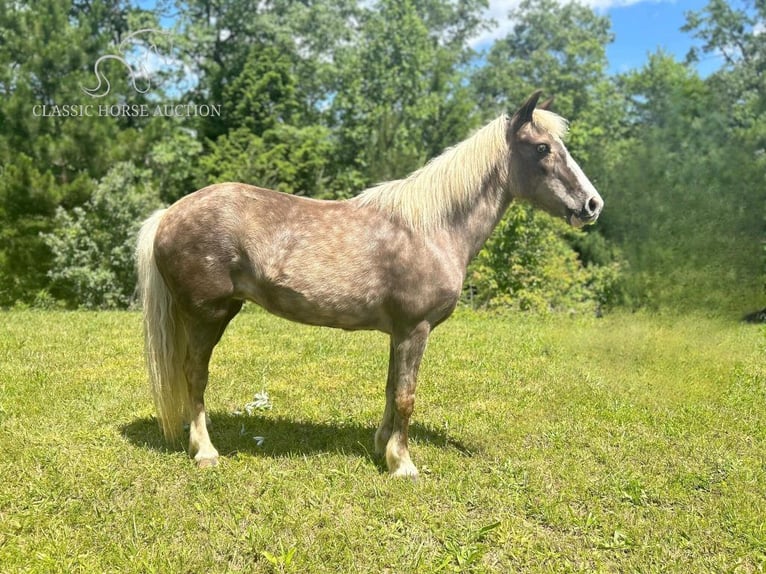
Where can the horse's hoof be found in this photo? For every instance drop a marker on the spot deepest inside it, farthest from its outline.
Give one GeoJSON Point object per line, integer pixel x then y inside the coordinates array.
{"type": "Point", "coordinates": [406, 470]}
{"type": "Point", "coordinates": [207, 462]}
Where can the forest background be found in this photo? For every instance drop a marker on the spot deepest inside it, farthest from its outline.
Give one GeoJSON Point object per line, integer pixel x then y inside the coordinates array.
{"type": "Point", "coordinates": [111, 108]}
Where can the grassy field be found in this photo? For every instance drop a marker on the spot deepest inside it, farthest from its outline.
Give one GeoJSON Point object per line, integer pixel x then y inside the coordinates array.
{"type": "Point", "coordinates": [625, 444]}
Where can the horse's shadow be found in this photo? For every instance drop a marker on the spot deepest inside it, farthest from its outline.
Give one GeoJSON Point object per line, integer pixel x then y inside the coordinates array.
{"type": "Point", "coordinates": [283, 437]}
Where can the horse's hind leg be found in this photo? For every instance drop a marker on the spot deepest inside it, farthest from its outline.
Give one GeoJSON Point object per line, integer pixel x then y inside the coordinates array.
{"type": "Point", "coordinates": [203, 337]}
{"type": "Point", "coordinates": [387, 424]}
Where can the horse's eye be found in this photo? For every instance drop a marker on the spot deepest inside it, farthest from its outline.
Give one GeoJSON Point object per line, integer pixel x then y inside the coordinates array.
{"type": "Point", "coordinates": [543, 149]}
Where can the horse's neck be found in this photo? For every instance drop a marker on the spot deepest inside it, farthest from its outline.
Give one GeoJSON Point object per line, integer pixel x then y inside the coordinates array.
{"type": "Point", "coordinates": [471, 229]}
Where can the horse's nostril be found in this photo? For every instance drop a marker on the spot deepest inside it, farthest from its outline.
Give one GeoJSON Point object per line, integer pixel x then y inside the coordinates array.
{"type": "Point", "coordinates": [593, 206]}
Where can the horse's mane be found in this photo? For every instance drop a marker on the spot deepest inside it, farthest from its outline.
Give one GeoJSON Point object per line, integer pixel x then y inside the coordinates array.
{"type": "Point", "coordinates": [430, 195]}
{"type": "Point", "coordinates": [552, 123]}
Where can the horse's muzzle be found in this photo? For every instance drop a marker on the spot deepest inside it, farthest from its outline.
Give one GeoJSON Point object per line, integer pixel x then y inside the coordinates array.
{"type": "Point", "coordinates": [589, 213]}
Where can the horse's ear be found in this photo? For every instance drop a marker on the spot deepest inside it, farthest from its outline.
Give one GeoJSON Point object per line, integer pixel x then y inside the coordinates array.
{"type": "Point", "coordinates": [546, 105]}
{"type": "Point", "coordinates": [524, 115]}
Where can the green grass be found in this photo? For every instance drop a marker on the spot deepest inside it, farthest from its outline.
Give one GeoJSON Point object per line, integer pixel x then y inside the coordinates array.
{"type": "Point", "coordinates": [626, 444]}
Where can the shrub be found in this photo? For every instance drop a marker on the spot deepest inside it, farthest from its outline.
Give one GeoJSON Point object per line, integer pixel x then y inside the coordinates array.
{"type": "Point", "coordinates": [93, 245]}
{"type": "Point", "coordinates": [528, 265]}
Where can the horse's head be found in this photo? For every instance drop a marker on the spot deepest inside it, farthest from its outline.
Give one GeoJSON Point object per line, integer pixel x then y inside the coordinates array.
{"type": "Point", "coordinates": [542, 170]}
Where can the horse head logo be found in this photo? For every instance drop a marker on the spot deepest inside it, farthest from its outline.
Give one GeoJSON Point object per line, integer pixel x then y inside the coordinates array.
{"type": "Point", "coordinates": [142, 49]}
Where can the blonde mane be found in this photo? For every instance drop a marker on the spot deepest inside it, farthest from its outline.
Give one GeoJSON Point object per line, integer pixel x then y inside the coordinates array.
{"type": "Point", "coordinates": [430, 195]}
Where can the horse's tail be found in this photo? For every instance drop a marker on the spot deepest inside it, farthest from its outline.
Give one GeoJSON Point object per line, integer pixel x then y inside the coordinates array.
{"type": "Point", "coordinates": [165, 338]}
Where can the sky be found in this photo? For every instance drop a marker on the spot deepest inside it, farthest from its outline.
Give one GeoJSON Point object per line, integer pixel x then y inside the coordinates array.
{"type": "Point", "coordinates": [644, 27]}
{"type": "Point", "coordinates": [640, 27]}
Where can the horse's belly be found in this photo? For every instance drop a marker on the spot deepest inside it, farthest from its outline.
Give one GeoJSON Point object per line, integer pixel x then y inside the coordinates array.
{"type": "Point", "coordinates": [343, 311]}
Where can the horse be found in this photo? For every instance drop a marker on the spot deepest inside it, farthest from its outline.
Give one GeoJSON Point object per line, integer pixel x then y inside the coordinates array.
{"type": "Point", "coordinates": [392, 259]}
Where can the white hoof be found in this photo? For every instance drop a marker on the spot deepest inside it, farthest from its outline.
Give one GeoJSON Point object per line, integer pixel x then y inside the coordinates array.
{"type": "Point", "coordinates": [206, 459]}
{"type": "Point", "coordinates": [398, 461]}
{"type": "Point", "coordinates": [405, 470]}
{"type": "Point", "coordinates": [206, 462]}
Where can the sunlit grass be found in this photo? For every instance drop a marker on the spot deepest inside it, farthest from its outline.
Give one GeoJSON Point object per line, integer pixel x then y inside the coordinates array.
{"type": "Point", "coordinates": [630, 443]}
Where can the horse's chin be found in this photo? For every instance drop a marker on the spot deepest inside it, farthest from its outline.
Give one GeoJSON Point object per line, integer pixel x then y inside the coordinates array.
{"type": "Point", "coordinates": [575, 221]}
{"type": "Point", "coordinates": [579, 223]}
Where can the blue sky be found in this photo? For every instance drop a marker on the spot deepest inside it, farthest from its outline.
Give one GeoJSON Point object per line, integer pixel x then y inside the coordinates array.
{"type": "Point", "coordinates": [641, 27]}
{"type": "Point", "coordinates": [644, 27]}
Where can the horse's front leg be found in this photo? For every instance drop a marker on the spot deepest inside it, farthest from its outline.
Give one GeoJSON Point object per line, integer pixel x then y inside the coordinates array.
{"type": "Point", "coordinates": [406, 352]}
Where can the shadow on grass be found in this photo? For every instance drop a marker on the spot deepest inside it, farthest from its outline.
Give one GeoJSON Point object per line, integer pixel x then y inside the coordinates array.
{"type": "Point", "coordinates": [232, 434]}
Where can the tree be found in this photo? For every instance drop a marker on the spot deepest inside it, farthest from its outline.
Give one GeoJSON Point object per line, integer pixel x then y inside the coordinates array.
{"type": "Point", "coordinates": [273, 144]}
{"type": "Point", "coordinates": [173, 161]}
{"type": "Point", "coordinates": [557, 47]}
{"type": "Point", "coordinates": [685, 203]}
{"type": "Point", "coordinates": [289, 159]}
{"type": "Point", "coordinates": [218, 39]}
{"type": "Point", "coordinates": [736, 35]}
{"type": "Point", "coordinates": [50, 158]}
{"type": "Point", "coordinates": [400, 99]}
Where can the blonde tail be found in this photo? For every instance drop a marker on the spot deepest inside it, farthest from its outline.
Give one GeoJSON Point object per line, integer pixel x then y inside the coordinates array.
{"type": "Point", "coordinates": [165, 339]}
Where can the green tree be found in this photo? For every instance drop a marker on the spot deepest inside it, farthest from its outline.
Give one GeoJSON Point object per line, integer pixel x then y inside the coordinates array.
{"type": "Point", "coordinates": [218, 40]}
{"type": "Point", "coordinates": [49, 158]}
{"type": "Point", "coordinates": [28, 198]}
{"type": "Point", "coordinates": [400, 97]}
{"type": "Point", "coordinates": [735, 32]}
{"type": "Point", "coordinates": [273, 144]}
{"type": "Point", "coordinates": [560, 48]}
{"type": "Point", "coordinates": [736, 36]}
{"type": "Point", "coordinates": [289, 159]}
{"type": "Point", "coordinates": [685, 203]}
{"type": "Point", "coordinates": [173, 161]}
